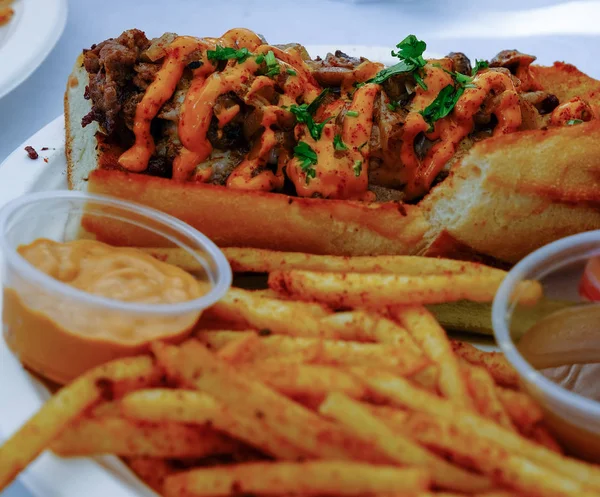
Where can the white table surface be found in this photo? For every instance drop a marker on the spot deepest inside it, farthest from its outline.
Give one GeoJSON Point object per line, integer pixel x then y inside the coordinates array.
{"type": "Point", "coordinates": [550, 29]}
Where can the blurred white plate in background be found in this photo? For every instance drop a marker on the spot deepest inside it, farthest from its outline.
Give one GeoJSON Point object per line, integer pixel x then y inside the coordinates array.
{"type": "Point", "coordinates": [28, 38]}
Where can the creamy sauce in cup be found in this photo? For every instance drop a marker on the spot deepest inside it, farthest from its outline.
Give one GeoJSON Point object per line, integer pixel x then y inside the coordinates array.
{"type": "Point", "coordinates": [60, 337]}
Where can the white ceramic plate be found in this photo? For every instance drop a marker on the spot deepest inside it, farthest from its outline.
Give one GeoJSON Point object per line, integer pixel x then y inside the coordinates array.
{"type": "Point", "coordinates": [28, 39]}
{"type": "Point", "coordinates": [51, 476]}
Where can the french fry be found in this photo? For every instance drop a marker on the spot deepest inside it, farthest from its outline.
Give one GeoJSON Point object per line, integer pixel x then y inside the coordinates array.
{"type": "Point", "coordinates": [488, 457]}
{"type": "Point", "coordinates": [307, 381]}
{"type": "Point", "coordinates": [151, 471]}
{"type": "Point", "coordinates": [251, 260]}
{"type": "Point", "coordinates": [485, 396]}
{"type": "Point", "coordinates": [377, 291]}
{"type": "Point", "coordinates": [369, 327]}
{"type": "Point", "coordinates": [112, 408]}
{"type": "Point", "coordinates": [308, 478]}
{"type": "Point", "coordinates": [495, 362]}
{"type": "Point", "coordinates": [542, 436]}
{"type": "Point", "coordinates": [279, 316]}
{"type": "Point", "coordinates": [497, 493]}
{"type": "Point", "coordinates": [113, 435]}
{"type": "Point", "coordinates": [65, 406]}
{"type": "Point", "coordinates": [521, 408]}
{"type": "Point", "coordinates": [398, 447]}
{"type": "Point", "coordinates": [400, 392]}
{"type": "Point", "coordinates": [240, 350]}
{"type": "Point", "coordinates": [315, 437]}
{"type": "Point", "coordinates": [193, 407]}
{"type": "Point", "coordinates": [331, 352]}
{"type": "Point", "coordinates": [432, 339]}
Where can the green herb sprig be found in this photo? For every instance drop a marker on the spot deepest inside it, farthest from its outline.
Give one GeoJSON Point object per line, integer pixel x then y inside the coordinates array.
{"type": "Point", "coordinates": [228, 53]}
{"type": "Point", "coordinates": [338, 144]}
{"type": "Point", "coordinates": [446, 99]}
{"type": "Point", "coordinates": [308, 157]}
{"type": "Point", "coordinates": [410, 53]}
{"type": "Point", "coordinates": [304, 114]}
{"type": "Point", "coordinates": [273, 67]}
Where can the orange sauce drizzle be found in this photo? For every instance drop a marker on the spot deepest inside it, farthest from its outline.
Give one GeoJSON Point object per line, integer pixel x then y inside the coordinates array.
{"type": "Point", "coordinates": [450, 131]}
{"type": "Point", "coordinates": [162, 88]}
{"type": "Point", "coordinates": [338, 174]}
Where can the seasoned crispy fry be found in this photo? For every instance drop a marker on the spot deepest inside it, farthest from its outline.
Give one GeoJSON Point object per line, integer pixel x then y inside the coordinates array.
{"type": "Point", "coordinates": [433, 340]}
{"type": "Point", "coordinates": [497, 493]}
{"type": "Point", "coordinates": [240, 350]}
{"type": "Point", "coordinates": [65, 406]}
{"type": "Point", "coordinates": [483, 391]}
{"type": "Point", "coordinates": [251, 260]}
{"type": "Point", "coordinates": [193, 407]}
{"type": "Point", "coordinates": [376, 291]}
{"type": "Point", "coordinates": [279, 316]}
{"type": "Point", "coordinates": [399, 448]}
{"type": "Point", "coordinates": [308, 478]}
{"type": "Point", "coordinates": [506, 468]}
{"type": "Point", "coordinates": [151, 471]}
{"type": "Point", "coordinates": [112, 435]}
{"type": "Point", "coordinates": [106, 409]}
{"type": "Point", "coordinates": [400, 392]}
{"type": "Point", "coordinates": [495, 362]}
{"type": "Point", "coordinates": [307, 381]}
{"type": "Point", "coordinates": [542, 436]}
{"type": "Point", "coordinates": [521, 408]}
{"type": "Point", "coordinates": [194, 365]}
{"type": "Point", "coordinates": [370, 327]}
{"type": "Point", "coordinates": [324, 351]}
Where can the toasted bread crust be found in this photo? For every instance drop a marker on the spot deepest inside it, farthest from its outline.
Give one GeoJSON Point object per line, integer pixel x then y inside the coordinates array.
{"type": "Point", "coordinates": [269, 220]}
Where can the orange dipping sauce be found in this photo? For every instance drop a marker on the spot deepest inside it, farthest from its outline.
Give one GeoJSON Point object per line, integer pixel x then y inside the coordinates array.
{"type": "Point", "coordinates": [60, 337]}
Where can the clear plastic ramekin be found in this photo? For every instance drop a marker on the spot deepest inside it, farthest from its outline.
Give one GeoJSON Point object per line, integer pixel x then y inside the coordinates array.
{"type": "Point", "coordinates": [60, 331]}
{"type": "Point", "coordinates": [560, 267]}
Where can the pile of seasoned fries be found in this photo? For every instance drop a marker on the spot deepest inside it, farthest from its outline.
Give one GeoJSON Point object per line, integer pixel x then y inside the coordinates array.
{"type": "Point", "coordinates": [335, 381]}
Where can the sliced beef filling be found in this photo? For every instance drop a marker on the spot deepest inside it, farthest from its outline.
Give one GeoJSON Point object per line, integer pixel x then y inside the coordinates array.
{"type": "Point", "coordinates": [117, 81]}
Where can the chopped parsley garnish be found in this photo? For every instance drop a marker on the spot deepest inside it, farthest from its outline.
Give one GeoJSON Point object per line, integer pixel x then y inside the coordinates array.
{"type": "Point", "coordinates": [338, 144]}
{"type": "Point", "coordinates": [442, 105]}
{"type": "Point", "coordinates": [273, 68]}
{"type": "Point", "coordinates": [446, 99]}
{"type": "Point", "coordinates": [260, 59]}
{"type": "Point", "coordinates": [316, 103]}
{"type": "Point", "coordinates": [304, 114]}
{"type": "Point", "coordinates": [291, 72]}
{"type": "Point", "coordinates": [352, 113]}
{"type": "Point", "coordinates": [411, 61]}
{"type": "Point", "coordinates": [308, 157]}
{"type": "Point", "coordinates": [392, 106]}
{"type": "Point", "coordinates": [480, 65]}
{"type": "Point", "coordinates": [572, 122]}
{"type": "Point", "coordinates": [227, 53]}
{"type": "Point", "coordinates": [357, 168]}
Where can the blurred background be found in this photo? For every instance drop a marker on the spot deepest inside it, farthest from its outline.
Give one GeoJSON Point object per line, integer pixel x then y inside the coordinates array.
{"type": "Point", "coordinates": [551, 29]}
